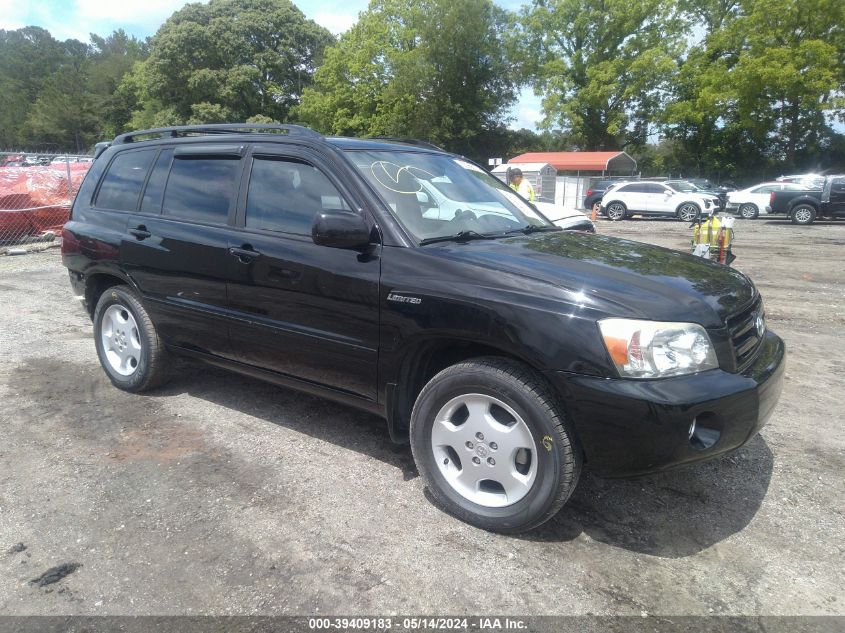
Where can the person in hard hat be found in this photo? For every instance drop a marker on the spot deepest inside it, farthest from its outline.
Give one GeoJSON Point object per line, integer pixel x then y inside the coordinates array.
{"type": "Point", "coordinates": [521, 186]}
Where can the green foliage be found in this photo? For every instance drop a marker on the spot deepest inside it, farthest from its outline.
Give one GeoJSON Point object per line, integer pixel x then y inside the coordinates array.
{"type": "Point", "coordinates": [227, 60]}
{"type": "Point", "coordinates": [601, 66]}
{"type": "Point", "coordinates": [62, 95]}
{"type": "Point", "coordinates": [430, 69]}
{"type": "Point", "coordinates": [757, 94]}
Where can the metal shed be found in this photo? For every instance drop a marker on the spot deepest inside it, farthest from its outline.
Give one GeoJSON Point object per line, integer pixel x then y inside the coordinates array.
{"type": "Point", "coordinates": [577, 171]}
{"type": "Point", "coordinates": [541, 175]}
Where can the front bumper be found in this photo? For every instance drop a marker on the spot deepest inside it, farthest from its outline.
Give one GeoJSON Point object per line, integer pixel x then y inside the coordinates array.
{"type": "Point", "coordinates": [631, 427]}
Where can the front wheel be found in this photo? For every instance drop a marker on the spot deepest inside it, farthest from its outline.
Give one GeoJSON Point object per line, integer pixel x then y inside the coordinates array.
{"type": "Point", "coordinates": [128, 346]}
{"type": "Point", "coordinates": [688, 212]}
{"type": "Point", "coordinates": [493, 446]}
{"type": "Point", "coordinates": [749, 211]}
{"type": "Point", "coordinates": [803, 214]}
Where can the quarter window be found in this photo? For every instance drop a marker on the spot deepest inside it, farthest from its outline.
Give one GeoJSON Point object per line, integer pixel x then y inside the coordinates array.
{"type": "Point", "coordinates": [286, 195]}
{"type": "Point", "coordinates": [122, 184]}
{"type": "Point", "coordinates": [201, 188]}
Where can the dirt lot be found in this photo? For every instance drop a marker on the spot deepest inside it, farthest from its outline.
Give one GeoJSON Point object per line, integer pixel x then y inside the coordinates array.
{"type": "Point", "coordinates": [223, 495]}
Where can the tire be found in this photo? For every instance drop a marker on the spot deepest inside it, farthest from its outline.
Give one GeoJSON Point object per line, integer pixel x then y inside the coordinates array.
{"type": "Point", "coordinates": [688, 212]}
{"type": "Point", "coordinates": [748, 211]}
{"type": "Point", "coordinates": [616, 211]}
{"type": "Point", "coordinates": [596, 207]}
{"type": "Point", "coordinates": [543, 460]}
{"type": "Point", "coordinates": [128, 346]}
{"type": "Point", "coordinates": [803, 214]}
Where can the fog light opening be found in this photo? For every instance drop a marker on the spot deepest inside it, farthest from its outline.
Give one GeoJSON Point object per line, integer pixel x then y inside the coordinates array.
{"type": "Point", "coordinates": [702, 437]}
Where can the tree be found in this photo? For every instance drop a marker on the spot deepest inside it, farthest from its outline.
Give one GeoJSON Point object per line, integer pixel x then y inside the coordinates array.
{"type": "Point", "coordinates": [601, 66]}
{"type": "Point", "coordinates": [755, 96]}
{"type": "Point", "coordinates": [29, 56]}
{"type": "Point", "coordinates": [429, 69]}
{"type": "Point", "coordinates": [227, 60]}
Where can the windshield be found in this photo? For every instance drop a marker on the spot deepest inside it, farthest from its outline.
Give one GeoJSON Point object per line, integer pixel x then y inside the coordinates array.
{"type": "Point", "coordinates": [682, 185]}
{"type": "Point", "coordinates": [436, 195]}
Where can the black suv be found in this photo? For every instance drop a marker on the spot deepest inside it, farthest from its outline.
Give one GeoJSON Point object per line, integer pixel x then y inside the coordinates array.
{"type": "Point", "coordinates": [508, 352]}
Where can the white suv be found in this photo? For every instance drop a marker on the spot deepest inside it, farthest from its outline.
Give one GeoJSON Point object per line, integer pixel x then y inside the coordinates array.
{"type": "Point", "coordinates": [654, 198]}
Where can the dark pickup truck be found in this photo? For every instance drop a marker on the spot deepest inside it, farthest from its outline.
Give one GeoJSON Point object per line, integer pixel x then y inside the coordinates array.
{"type": "Point", "coordinates": [804, 206]}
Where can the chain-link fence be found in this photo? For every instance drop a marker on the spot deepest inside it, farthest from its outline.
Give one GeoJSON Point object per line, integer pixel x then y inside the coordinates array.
{"type": "Point", "coordinates": [36, 191]}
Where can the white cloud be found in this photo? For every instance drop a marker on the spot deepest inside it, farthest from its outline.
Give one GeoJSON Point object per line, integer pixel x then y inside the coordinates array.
{"type": "Point", "coordinates": [12, 13]}
{"type": "Point", "coordinates": [127, 11]}
{"type": "Point", "coordinates": [527, 112]}
{"type": "Point", "coordinates": [335, 22]}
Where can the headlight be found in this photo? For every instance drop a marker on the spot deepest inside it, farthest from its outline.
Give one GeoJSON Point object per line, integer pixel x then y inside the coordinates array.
{"type": "Point", "coordinates": [654, 349]}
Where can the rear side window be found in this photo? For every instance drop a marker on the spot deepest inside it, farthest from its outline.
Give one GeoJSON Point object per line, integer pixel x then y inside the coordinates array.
{"type": "Point", "coordinates": [653, 188]}
{"type": "Point", "coordinates": [201, 188]}
{"type": "Point", "coordinates": [634, 188]}
{"type": "Point", "coordinates": [286, 195]}
{"type": "Point", "coordinates": [122, 184]}
{"type": "Point", "coordinates": [151, 202]}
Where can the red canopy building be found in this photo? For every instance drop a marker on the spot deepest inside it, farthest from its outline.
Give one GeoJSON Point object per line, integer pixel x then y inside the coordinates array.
{"type": "Point", "coordinates": [599, 163]}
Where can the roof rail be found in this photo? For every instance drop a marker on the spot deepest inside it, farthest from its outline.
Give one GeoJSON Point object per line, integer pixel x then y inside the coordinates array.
{"type": "Point", "coordinates": [216, 128]}
{"type": "Point", "coordinates": [408, 141]}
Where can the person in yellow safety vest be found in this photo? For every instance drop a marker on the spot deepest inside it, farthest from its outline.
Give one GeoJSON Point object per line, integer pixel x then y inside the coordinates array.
{"type": "Point", "coordinates": [521, 186]}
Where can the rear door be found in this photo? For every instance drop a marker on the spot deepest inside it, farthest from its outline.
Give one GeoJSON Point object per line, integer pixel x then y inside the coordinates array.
{"type": "Point", "coordinates": [633, 195]}
{"type": "Point", "coordinates": [306, 311]}
{"type": "Point", "coordinates": [761, 196]}
{"type": "Point", "coordinates": [176, 245]}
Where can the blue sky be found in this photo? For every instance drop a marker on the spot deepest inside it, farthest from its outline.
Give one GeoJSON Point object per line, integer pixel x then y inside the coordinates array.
{"type": "Point", "coordinates": [77, 18]}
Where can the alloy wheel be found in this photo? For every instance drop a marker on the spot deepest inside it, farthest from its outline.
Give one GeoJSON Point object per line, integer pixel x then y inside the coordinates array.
{"type": "Point", "coordinates": [484, 450]}
{"type": "Point", "coordinates": [121, 341]}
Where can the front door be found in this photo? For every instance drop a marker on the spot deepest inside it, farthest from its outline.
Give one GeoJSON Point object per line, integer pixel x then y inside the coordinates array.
{"type": "Point", "coordinates": [303, 310]}
{"type": "Point", "coordinates": [660, 198]}
{"type": "Point", "coordinates": [836, 205]}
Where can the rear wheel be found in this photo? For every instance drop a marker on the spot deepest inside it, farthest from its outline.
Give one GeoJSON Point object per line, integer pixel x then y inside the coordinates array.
{"type": "Point", "coordinates": [749, 211]}
{"type": "Point", "coordinates": [616, 211]}
{"type": "Point", "coordinates": [688, 212]}
{"type": "Point", "coordinates": [493, 446]}
{"type": "Point", "coordinates": [128, 346]}
{"type": "Point", "coordinates": [803, 214]}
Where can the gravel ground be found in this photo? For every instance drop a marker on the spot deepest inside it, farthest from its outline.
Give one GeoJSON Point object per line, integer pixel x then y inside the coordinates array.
{"type": "Point", "coordinates": [223, 495]}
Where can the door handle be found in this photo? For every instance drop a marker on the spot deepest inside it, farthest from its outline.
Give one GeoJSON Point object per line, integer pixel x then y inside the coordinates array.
{"type": "Point", "coordinates": [140, 232]}
{"type": "Point", "coordinates": [245, 254]}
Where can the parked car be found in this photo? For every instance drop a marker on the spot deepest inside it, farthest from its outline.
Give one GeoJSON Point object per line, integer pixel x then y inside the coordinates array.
{"type": "Point", "coordinates": [655, 199]}
{"type": "Point", "coordinates": [754, 201]}
{"type": "Point", "coordinates": [569, 219]}
{"type": "Point", "coordinates": [509, 353]}
{"type": "Point", "coordinates": [594, 194]}
{"type": "Point", "coordinates": [803, 206]}
{"type": "Point", "coordinates": [687, 186]}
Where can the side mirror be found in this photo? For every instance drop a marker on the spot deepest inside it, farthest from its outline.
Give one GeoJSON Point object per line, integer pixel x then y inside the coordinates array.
{"type": "Point", "coordinates": [338, 228]}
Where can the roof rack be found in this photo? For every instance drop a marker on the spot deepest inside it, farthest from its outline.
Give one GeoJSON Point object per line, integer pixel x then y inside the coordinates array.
{"type": "Point", "coordinates": [408, 141]}
{"type": "Point", "coordinates": [216, 128]}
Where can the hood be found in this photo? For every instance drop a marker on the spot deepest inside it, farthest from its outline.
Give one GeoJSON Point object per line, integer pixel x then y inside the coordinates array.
{"type": "Point", "coordinates": [616, 277]}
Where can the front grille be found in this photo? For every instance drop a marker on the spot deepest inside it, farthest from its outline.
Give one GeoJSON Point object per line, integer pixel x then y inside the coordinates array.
{"type": "Point", "coordinates": [744, 334]}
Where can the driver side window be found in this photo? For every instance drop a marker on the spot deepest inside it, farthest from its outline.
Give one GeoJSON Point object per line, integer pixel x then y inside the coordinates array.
{"type": "Point", "coordinates": [285, 195]}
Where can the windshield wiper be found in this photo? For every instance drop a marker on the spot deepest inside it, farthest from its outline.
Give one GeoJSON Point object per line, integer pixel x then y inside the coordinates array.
{"type": "Point", "coordinates": [461, 236]}
{"type": "Point", "coordinates": [531, 228]}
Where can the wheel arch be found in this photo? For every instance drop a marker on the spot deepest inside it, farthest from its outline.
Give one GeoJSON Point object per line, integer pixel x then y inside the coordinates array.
{"type": "Point", "coordinates": [421, 361]}
{"type": "Point", "coordinates": [688, 201]}
{"type": "Point", "coordinates": [804, 200]}
{"type": "Point", "coordinates": [96, 283]}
